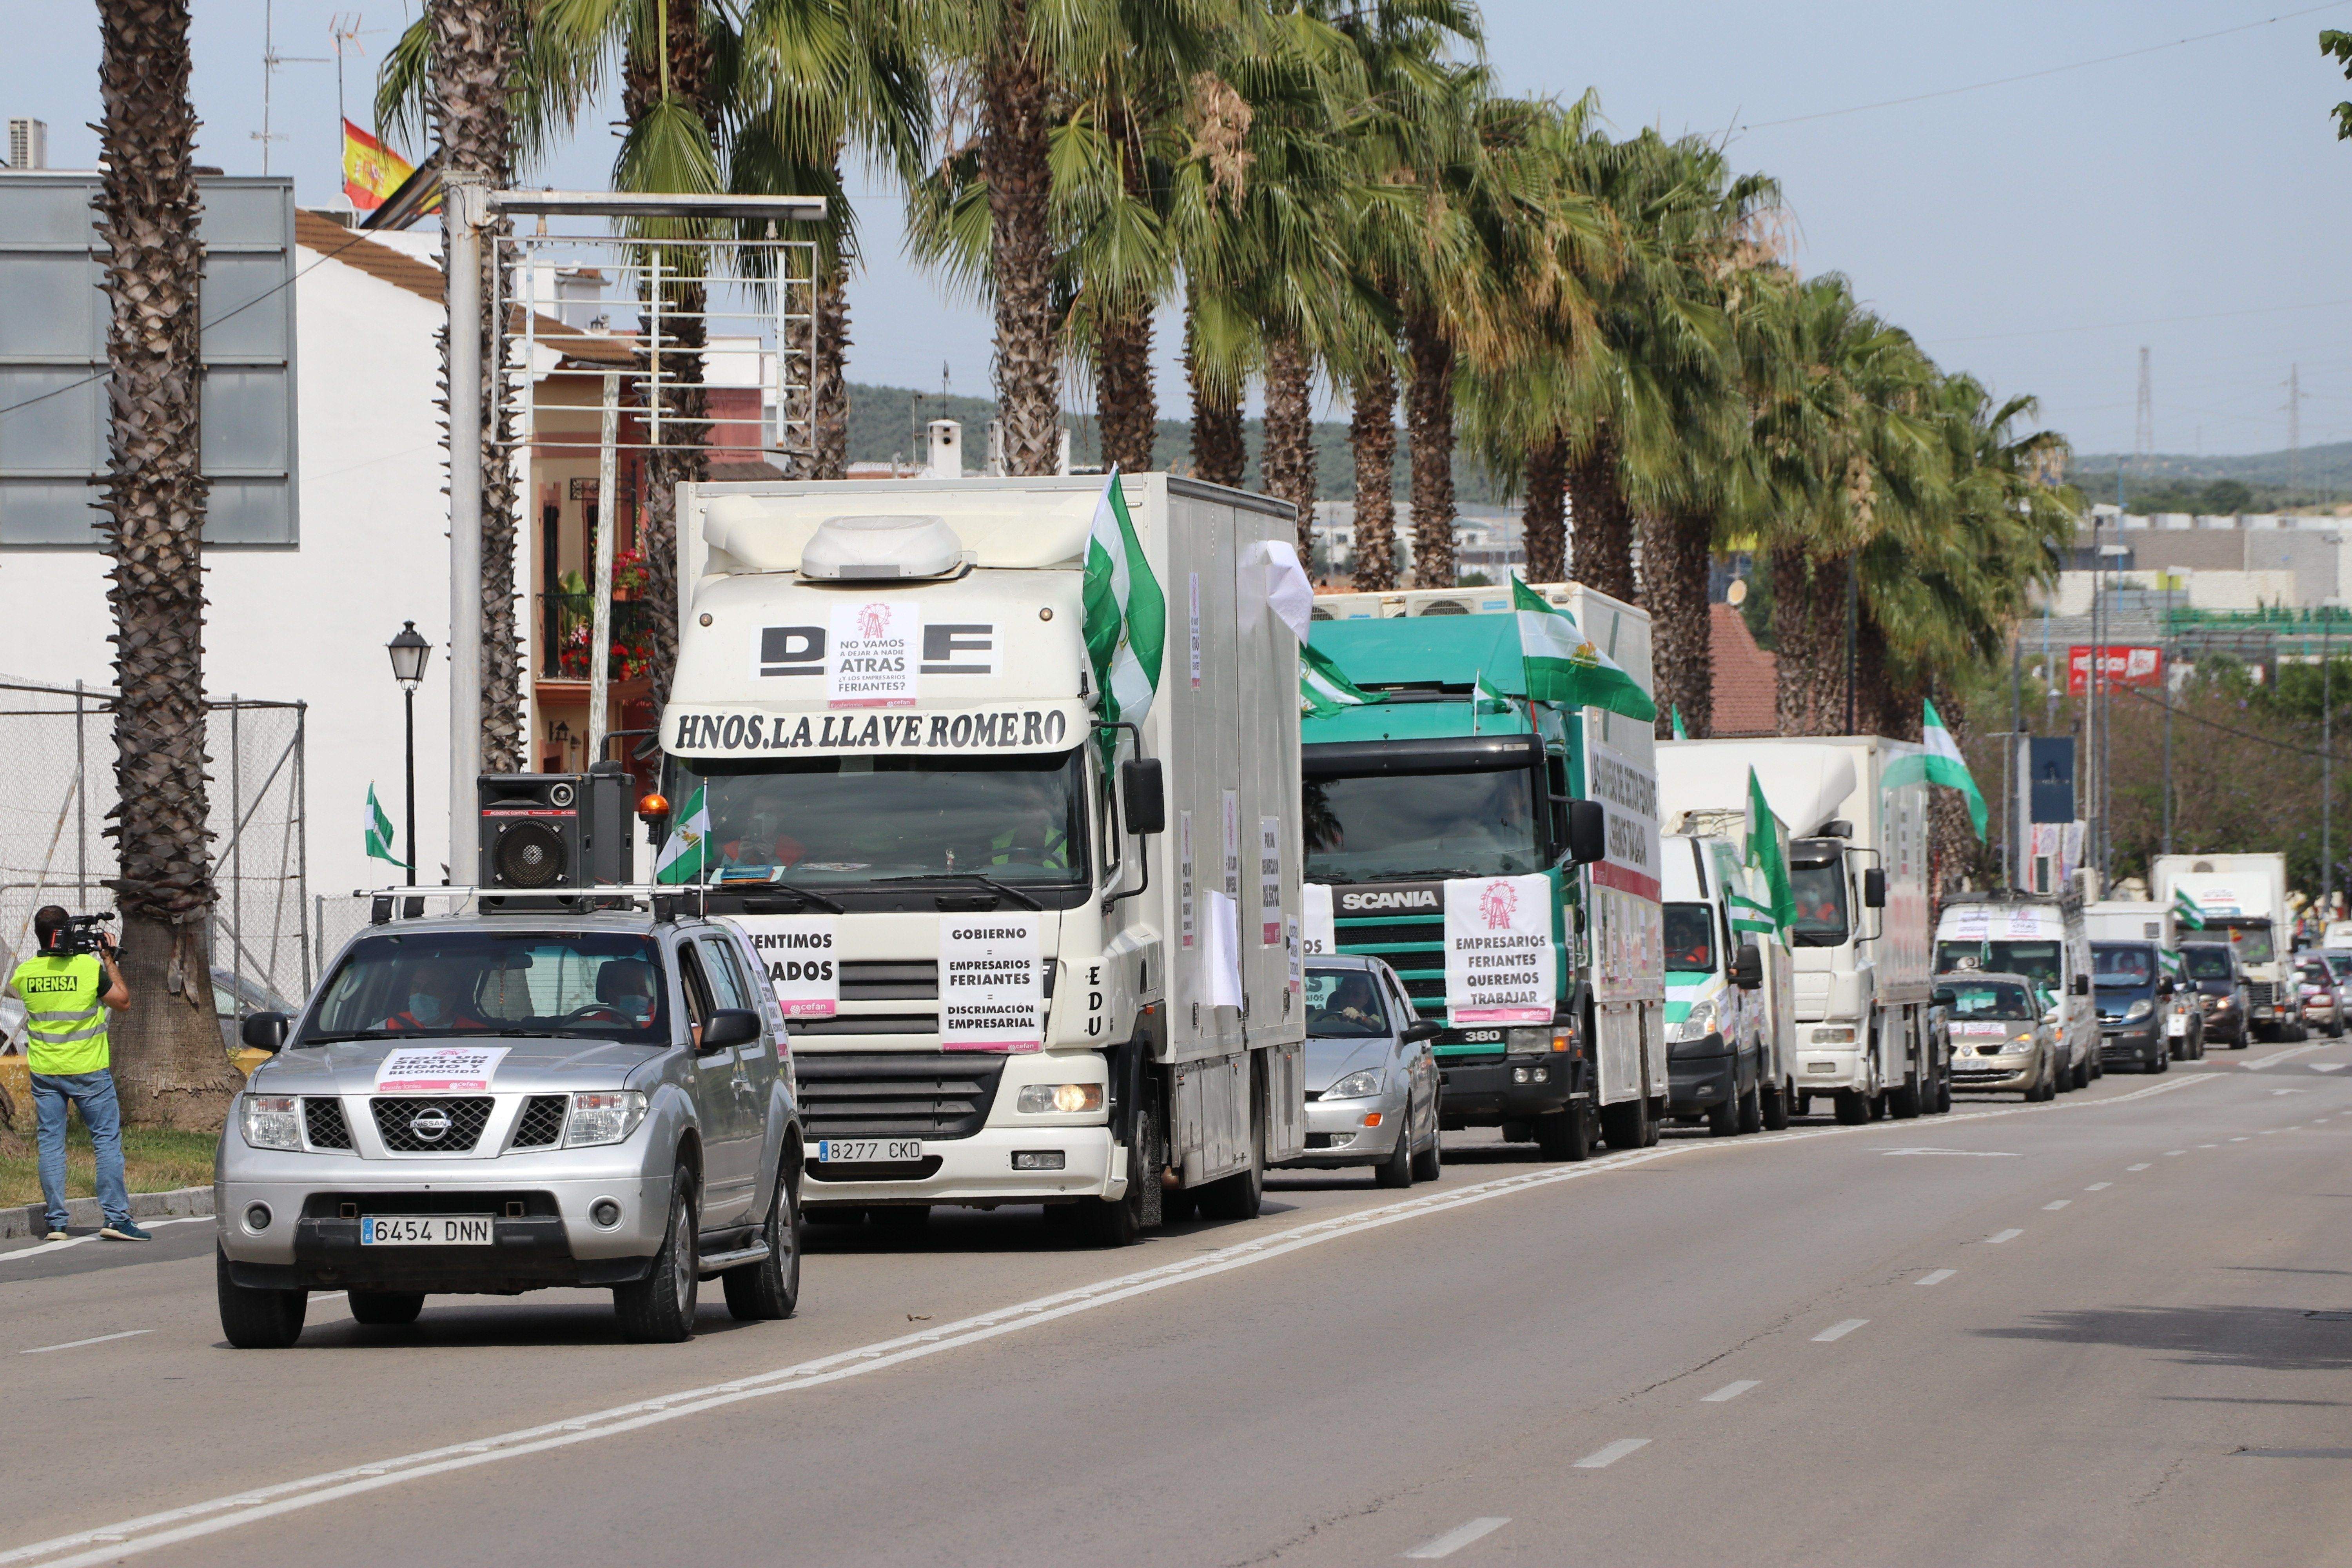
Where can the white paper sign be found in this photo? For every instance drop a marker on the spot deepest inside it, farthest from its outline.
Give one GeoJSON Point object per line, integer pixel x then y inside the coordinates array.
{"type": "Point", "coordinates": [799, 952]}
{"type": "Point", "coordinates": [1269, 880]}
{"type": "Point", "coordinates": [1221, 951]}
{"type": "Point", "coordinates": [1188, 918]}
{"type": "Point", "coordinates": [992, 984]}
{"type": "Point", "coordinates": [1321, 937]}
{"type": "Point", "coordinates": [875, 644]}
{"type": "Point", "coordinates": [1500, 967]}
{"type": "Point", "coordinates": [439, 1069]}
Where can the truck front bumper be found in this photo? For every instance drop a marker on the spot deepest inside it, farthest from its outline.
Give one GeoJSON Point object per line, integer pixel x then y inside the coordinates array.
{"type": "Point", "coordinates": [1514, 1088]}
{"type": "Point", "coordinates": [1821, 1068]}
{"type": "Point", "coordinates": [979, 1170]}
{"type": "Point", "coordinates": [1708, 1075]}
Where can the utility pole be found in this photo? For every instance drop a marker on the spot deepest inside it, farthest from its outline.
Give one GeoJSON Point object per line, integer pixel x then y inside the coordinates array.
{"type": "Point", "coordinates": [2167, 745]}
{"type": "Point", "coordinates": [270, 60]}
{"type": "Point", "coordinates": [2294, 428]}
{"type": "Point", "coordinates": [2326, 763]}
{"type": "Point", "coordinates": [2144, 426]}
{"type": "Point", "coordinates": [2010, 767]}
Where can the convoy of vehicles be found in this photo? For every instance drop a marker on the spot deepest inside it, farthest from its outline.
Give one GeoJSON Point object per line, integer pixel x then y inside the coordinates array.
{"type": "Point", "coordinates": [2004, 1037]}
{"type": "Point", "coordinates": [2044, 937]}
{"type": "Point", "coordinates": [1372, 1077]}
{"type": "Point", "coordinates": [2243, 901]}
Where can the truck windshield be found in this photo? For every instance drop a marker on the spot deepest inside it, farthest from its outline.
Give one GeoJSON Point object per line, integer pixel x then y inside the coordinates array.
{"type": "Point", "coordinates": [1820, 904]}
{"type": "Point", "coordinates": [1383, 826]}
{"type": "Point", "coordinates": [841, 821]}
{"type": "Point", "coordinates": [1690, 937]}
{"type": "Point", "coordinates": [2122, 965]}
{"type": "Point", "coordinates": [2252, 942]}
{"type": "Point", "coordinates": [437, 985]}
{"type": "Point", "coordinates": [2205, 961]}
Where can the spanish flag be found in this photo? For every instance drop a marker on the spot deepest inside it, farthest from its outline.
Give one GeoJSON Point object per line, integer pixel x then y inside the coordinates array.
{"type": "Point", "coordinates": [371, 171]}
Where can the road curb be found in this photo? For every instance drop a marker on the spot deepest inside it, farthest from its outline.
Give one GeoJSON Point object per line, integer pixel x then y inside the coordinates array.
{"type": "Point", "coordinates": [84, 1212]}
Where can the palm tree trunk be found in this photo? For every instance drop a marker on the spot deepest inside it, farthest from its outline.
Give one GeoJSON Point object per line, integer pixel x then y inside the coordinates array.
{"type": "Point", "coordinates": [1371, 433]}
{"type": "Point", "coordinates": [1220, 453]}
{"type": "Point", "coordinates": [1013, 160]}
{"type": "Point", "coordinates": [1543, 511]}
{"type": "Point", "coordinates": [1809, 641]}
{"type": "Point", "coordinates": [169, 1066]}
{"type": "Point", "coordinates": [1285, 462]}
{"type": "Point", "coordinates": [1125, 406]}
{"type": "Point", "coordinates": [1603, 523]}
{"type": "Point", "coordinates": [1675, 559]}
{"type": "Point", "coordinates": [1429, 427]}
{"type": "Point", "coordinates": [829, 389]}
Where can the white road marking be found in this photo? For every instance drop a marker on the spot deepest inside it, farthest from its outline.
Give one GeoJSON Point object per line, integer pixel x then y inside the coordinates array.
{"type": "Point", "coordinates": [2141, 1166]}
{"type": "Point", "coordinates": [1937, 1277]}
{"type": "Point", "coordinates": [2327, 1067]}
{"type": "Point", "coordinates": [77, 1344]}
{"type": "Point", "coordinates": [2061, 1203]}
{"type": "Point", "coordinates": [2277, 1056]}
{"type": "Point", "coordinates": [93, 1235]}
{"type": "Point", "coordinates": [1971, 1154]}
{"type": "Point", "coordinates": [2238, 1140]}
{"type": "Point", "coordinates": [1601, 1459]}
{"type": "Point", "coordinates": [1997, 1237]}
{"type": "Point", "coordinates": [2102, 1186]}
{"type": "Point", "coordinates": [2168, 1153]}
{"type": "Point", "coordinates": [1455, 1540]}
{"type": "Point", "coordinates": [1729, 1390]}
{"type": "Point", "coordinates": [2208, 1145]}
{"type": "Point", "coordinates": [1839, 1331]}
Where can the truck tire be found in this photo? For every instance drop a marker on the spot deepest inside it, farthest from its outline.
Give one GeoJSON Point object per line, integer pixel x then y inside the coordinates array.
{"type": "Point", "coordinates": [1241, 1194]}
{"type": "Point", "coordinates": [1117, 1222]}
{"type": "Point", "coordinates": [1723, 1121]}
{"type": "Point", "coordinates": [1853, 1107]}
{"type": "Point", "coordinates": [1752, 1109]}
{"type": "Point", "coordinates": [252, 1318]}
{"type": "Point", "coordinates": [1776, 1107]}
{"type": "Point", "coordinates": [1565, 1134]}
{"type": "Point", "coordinates": [1877, 1103]}
{"type": "Point", "coordinates": [771, 1288]}
{"type": "Point", "coordinates": [1626, 1125]}
{"type": "Point", "coordinates": [385, 1309]}
{"type": "Point", "coordinates": [1904, 1103]}
{"type": "Point", "coordinates": [1944, 1090]}
{"type": "Point", "coordinates": [2081, 1075]}
{"type": "Point", "coordinates": [658, 1310]}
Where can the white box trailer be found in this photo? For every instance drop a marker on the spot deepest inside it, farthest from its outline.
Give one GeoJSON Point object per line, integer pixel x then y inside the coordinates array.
{"type": "Point", "coordinates": [1001, 992]}
{"type": "Point", "coordinates": [2244, 901]}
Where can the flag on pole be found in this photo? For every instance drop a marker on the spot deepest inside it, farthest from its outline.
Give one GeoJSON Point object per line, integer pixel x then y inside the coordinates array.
{"type": "Point", "coordinates": [1675, 709]}
{"type": "Point", "coordinates": [379, 832]}
{"type": "Point", "coordinates": [1563, 666]}
{"type": "Point", "coordinates": [2186, 910]}
{"type": "Point", "coordinates": [1125, 616]}
{"type": "Point", "coordinates": [371, 171]}
{"type": "Point", "coordinates": [1767, 853]}
{"type": "Point", "coordinates": [1324, 688]}
{"type": "Point", "coordinates": [1945, 766]}
{"type": "Point", "coordinates": [684, 854]}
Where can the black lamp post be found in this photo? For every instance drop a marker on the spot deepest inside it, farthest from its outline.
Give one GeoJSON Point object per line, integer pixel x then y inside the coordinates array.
{"type": "Point", "coordinates": [409, 652]}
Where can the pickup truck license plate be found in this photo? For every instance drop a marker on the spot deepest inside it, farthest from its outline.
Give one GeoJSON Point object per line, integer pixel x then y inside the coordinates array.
{"type": "Point", "coordinates": [424, 1230]}
{"type": "Point", "coordinates": [2177, 1026]}
{"type": "Point", "coordinates": [868, 1151]}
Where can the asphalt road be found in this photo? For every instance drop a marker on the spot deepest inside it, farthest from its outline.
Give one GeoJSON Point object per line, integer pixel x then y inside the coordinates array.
{"type": "Point", "coordinates": [2113, 1329]}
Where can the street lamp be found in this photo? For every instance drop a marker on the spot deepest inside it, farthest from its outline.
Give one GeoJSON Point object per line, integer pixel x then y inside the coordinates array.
{"type": "Point", "coordinates": [409, 652]}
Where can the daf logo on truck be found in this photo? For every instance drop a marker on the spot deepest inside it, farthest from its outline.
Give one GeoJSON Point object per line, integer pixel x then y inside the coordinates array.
{"type": "Point", "coordinates": [949, 647]}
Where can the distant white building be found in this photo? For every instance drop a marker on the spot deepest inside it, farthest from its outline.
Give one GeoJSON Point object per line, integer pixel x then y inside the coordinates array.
{"type": "Point", "coordinates": [1486, 540]}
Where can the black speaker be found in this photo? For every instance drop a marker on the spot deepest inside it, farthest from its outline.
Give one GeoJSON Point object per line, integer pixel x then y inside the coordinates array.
{"type": "Point", "coordinates": [555, 830]}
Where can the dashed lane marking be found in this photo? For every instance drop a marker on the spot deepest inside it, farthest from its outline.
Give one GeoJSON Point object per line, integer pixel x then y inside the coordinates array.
{"type": "Point", "coordinates": [2098, 1186]}
{"type": "Point", "coordinates": [1601, 1459]}
{"type": "Point", "coordinates": [1937, 1277]}
{"type": "Point", "coordinates": [1839, 1331]}
{"type": "Point", "coordinates": [1729, 1390]}
{"type": "Point", "coordinates": [2061, 1203]}
{"type": "Point", "coordinates": [1997, 1237]}
{"type": "Point", "coordinates": [1455, 1540]}
{"type": "Point", "coordinates": [2141, 1166]}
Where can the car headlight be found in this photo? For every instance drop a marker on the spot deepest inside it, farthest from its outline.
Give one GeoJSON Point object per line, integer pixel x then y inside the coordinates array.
{"type": "Point", "coordinates": [602, 1116]}
{"type": "Point", "coordinates": [273, 1121]}
{"type": "Point", "coordinates": [1696, 1025]}
{"type": "Point", "coordinates": [2141, 1009]}
{"type": "Point", "coordinates": [1356, 1086]}
{"type": "Point", "coordinates": [2220, 1004]}
{"type": "Point", "coordinates": [1043, 1099]}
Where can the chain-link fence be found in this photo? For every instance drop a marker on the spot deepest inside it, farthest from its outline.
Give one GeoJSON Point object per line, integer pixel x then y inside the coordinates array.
{"type": "Point", "coordinates": [57, 788]}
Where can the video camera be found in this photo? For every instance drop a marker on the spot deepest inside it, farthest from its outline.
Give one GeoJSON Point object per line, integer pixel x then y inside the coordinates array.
{"type": "Point", "coordinates": [84, 933]}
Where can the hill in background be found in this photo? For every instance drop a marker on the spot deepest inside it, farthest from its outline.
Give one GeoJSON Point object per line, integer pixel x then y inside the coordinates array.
{"type": "Point", "coordinates": [2251, 481]}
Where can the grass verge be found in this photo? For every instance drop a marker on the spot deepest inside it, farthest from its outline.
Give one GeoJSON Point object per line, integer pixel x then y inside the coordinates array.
{"type": "Point", "coordinates": [155, 1160]}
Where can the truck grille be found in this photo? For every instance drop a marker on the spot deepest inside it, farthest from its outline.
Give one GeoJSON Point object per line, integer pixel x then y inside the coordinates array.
{"type": "Point", "coordinates": [868, 980]}
{"type": "Point", "coordinates": [396, 1119]}
{"type": "Point", "coordinates": [897, 1094]}
{"type": "Point", "coordinates": [2261, 992]}
{"type": "Point", "coordinates": [867, 1023]}
{"type": "Point", "coordinates": [1412, 945]}
{"type": "Point", "coordinates": [542, 1121]}
{"type": "Point", "coordinates": [323, 1118]}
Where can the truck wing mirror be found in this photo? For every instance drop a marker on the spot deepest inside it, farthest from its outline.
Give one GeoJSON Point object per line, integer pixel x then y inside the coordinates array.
{"type": "Point", "coordinates": [1748, 967]}
{"type": "Point", "coordinates": [1946, 998]}
{"type": "Point", "coordinates": [1588, 832]}
{"type": "Point", "coordinates": [2082, 986]}
{"type": "Point", "coordinates": [1142, 798]}
{"type": "Point", "coordinates": [1874, 889]}
{"type": "Point", "coordinates": [730, 1026]}
{"type": "Point", "coordinates": [264, 1032]}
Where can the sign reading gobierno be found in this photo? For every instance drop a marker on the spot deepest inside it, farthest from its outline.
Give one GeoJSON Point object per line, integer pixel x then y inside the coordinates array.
{"type": "Point", "coordinates": [992, 984]}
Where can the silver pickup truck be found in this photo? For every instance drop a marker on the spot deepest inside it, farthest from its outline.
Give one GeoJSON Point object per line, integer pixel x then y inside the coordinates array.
{"type": "Point", "coordinates": [501, 1102]}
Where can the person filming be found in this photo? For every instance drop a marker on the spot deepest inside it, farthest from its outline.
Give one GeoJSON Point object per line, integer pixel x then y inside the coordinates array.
{"type": "Point", "coordinates": [68, 988]}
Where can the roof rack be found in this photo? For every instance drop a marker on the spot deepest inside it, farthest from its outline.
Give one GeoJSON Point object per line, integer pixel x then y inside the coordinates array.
{"type": "Point", "coordinates": [666, 901]}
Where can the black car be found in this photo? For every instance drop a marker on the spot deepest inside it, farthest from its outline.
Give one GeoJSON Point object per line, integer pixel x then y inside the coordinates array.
{"type": "Point", "coordinates": [2213, 968]}
{"type": "Point", "coordinates": [2131, 992]}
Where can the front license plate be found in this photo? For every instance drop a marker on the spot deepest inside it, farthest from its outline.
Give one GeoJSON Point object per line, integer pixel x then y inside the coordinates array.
{"type": "Point", "coordinates": [868, 1151]}
{"type": "Point", "coordinates": [2177, 1026]}
{"type": "Point", "coordinates": [424, 1230]}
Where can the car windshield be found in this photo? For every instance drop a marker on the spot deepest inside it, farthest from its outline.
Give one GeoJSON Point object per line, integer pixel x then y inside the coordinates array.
{"type": "Point", "coordinates": [2206, 962]}
{"type": "Point", "coordinates": [596, 986]}
{"type": "Point", "coordinates": [2252, 942]}
{"type": "Point", "coordinates": [841, 821]}
{"type": "Point", "coordinates": [1977, 1000]}
{"type": "Point", "coordinates": [2315, 974]}
{"type": "Point", "coordinates": [1820, 904]}
{"type": "Point", "coordinates": [1386, 825]}
{"type": "Point", "coordinates": [1344, 1004]}
{"type": "Point", "coordinates": [1690, 937]}
{"type": "Point", "coordinates": [2122, 965]}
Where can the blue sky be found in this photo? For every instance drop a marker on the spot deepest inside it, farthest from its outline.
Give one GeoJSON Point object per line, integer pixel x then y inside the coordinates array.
{"type": "Point", "coordinates": [2191, 198]}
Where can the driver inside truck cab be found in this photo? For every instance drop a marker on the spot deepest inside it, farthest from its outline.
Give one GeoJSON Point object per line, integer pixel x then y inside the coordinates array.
{"type": "Point", "coordinates": [762, 842]}
{"type": "Point", "coordinates": [1036, 835]}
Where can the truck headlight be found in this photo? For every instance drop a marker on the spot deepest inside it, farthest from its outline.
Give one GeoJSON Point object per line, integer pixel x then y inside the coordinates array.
{"type": "Point", "coordinates": [273, 1121]}
{"type": "Point", "coordinates": [2141, 1009]}
{"type": "Point", "coordinates": [1355, 1085]}
{"type": "Point", "coordinates": [1040, 1098]}
{"type": "Point", "coordinates": [602, 1116]}
{"type": "Point", "coordinates": [1833, 1034]}
{"type": "Point", "coordinates": [1698, 1024]}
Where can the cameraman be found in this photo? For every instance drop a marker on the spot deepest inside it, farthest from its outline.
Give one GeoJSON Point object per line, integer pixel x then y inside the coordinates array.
{"type": "Point", "coordinates": [67, 994]}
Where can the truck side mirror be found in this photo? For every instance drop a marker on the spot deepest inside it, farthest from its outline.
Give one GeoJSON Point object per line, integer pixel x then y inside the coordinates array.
{"type": "Point", "coordinates": [264, 1032]}
{"type": "Point", "coordinates": [1588, 832]}
{"type": "Point", "coordinates": [1748, 967]}
{"type": "Point", "coordinates": [1946, 998]}
{"type": "Point", "coordinates": [1874, 889]}
{"type": "Point", "coordinates": [1142, 798]}
{"type": "Point", "coordinates": [2082, 986]}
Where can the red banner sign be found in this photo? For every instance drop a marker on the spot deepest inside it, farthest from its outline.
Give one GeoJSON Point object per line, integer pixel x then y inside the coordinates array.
{"type": "Point", "coordinates": [2118, 666]}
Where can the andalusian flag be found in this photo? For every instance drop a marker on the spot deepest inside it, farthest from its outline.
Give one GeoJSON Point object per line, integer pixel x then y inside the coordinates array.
{"type": "Point", "coordinates": [684, 854]}
{"type": "Point", "coordinates": [371, 171]}
{"type": "Point", "coordinates": [1945, 766]}
{"type": "Point", "coordinates": [379, 832]}
{"type": "Point", "coordinates": [1126, 617]}
{"type": "Point", "coordinates": [1324, 688]}
{"type": "Point", "coordinates": [2186, 910]}
{"type": "Point", "coordinates": [1563, 666]}
{"type": "Point", "coordinates": [1767, 853]}
{"type": "Point", "coordinates": [1674, 710]}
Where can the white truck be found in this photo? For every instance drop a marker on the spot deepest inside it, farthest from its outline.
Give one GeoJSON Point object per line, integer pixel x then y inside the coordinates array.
{"type": "Point", "coordinates": [2244, 901]}
{"type": "Point", "coordinates": [1730, 989]}
{"type": "Point", "coordinates": [1029, 955]}
{"type": "Point", "coordinates": [2044, 937]}
{"type": "Point", "coordinates": [1857, 808]}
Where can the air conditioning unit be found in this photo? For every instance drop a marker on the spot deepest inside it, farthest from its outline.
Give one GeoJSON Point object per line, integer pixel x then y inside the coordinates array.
{"type": "Point", "coordinates": [555, 830]}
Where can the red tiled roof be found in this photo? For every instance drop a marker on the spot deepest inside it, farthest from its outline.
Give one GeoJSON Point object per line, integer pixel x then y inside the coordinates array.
{"type": "Point", "coordinates": [1746, 681]}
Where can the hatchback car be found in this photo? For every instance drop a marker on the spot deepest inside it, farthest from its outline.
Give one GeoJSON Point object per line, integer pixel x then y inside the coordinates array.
{"type": "Point", "coordinates": [2004, 1039]}
{"type": "Point", "coordinates": [1371, 1080]}
{"type": "Point", "coordinates": [2320, 987]}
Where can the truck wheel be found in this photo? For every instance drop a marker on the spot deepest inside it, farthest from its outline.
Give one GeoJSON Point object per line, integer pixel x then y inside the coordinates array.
{"type": "Point", "coordinates": [771, 1288]}
{"type": "Point", "coordinates": [1108, 1222]}
{"type": "Point", "coordinates": [658, 1310]}
{"type": "Point", "coordinates": [1904, 1102]}
{"type": "Point", "coordinates": [385, 1309]}
{"type": "Point", "coordinates": [1723, 1121]}
{"type": "Point", "coordinates": [1943, 1092]}
{"type": "Point", "coordinates": [1853, 1107]}
{"type": "Point", "coordinates": [1776, 1107]}
{"type": "Point", "coordinates": [1564, 1134]}
{"type": "Point", "coordinates": [1804, 1105]}
{"type": "Point", "coordinates": [254, 1317]}
{"type": "Point", "coordinates": [2081, 1075]}
{"type": "Point", "coordinates": [1240, 1196]}
{"type": "Point", "coordinates": [1752, 1109]}
{"type": "Point", "coordinates": [1626, 1125]}
{"type": "Point", "coordinates": [1877, 1103]}
{"type": "Point", "coordinates": [1396, 1170]}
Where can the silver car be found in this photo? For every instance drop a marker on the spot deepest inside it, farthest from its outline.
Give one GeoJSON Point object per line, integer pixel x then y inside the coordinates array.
{"type": "Point", "coordinates": [2004, 1034]}
{"type": "Point", "coordinates": [1371, 1080]}
{"type": "Point", "coordinates": [495, 1103]}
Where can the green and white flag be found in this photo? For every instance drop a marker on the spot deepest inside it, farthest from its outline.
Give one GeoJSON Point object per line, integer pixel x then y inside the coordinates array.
{"type": "Point", "coordinates": [1324, 688]}
{"type": "Point", "coordinates": [686, 853]}
{"type": "Point", "coordinates": [1767, 853]}
{"type": "Point", "coordinates": [1945, 766]}
{"type": "Point", "coordinates": [1126, 615]}
{"type": "Point", "coordinates": [1676, 711]}
{"type": "Point", "coordinates": [379, 832]}
{"type": "Point", "coordinates": [2186, 910]}
{"type": "Point", "coordinates": [1563, 666]}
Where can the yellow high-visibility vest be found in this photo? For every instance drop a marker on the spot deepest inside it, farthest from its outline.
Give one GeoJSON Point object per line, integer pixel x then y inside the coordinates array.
{"type": "Point", "coordinates": [65, 1020]}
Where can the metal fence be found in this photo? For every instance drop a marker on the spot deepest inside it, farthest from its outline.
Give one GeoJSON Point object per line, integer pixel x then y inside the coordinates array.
{"type": "Point", "coordinates": [56, 790]}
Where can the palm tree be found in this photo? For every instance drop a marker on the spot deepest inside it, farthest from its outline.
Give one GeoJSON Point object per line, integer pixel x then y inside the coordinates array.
{"type": "Point", "coordinates": [168, 1062]}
